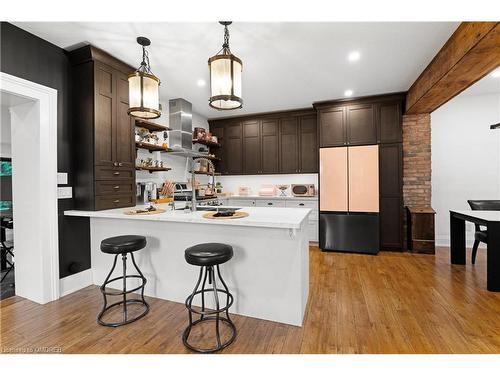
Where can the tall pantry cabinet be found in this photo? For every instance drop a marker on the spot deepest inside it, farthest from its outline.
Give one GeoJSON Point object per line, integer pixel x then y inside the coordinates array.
{"type": "Point", "coordinates": [104, 144]}
{"type": "Point", "coordinates": [361, 174]}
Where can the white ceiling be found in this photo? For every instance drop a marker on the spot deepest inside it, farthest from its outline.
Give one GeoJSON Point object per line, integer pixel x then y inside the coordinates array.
{"type": "Point", "coordinates": [285, 65]}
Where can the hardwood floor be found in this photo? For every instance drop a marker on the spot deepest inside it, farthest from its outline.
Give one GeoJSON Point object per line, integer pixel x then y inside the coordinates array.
{"type": "Point", "coordinates": [390, 303]}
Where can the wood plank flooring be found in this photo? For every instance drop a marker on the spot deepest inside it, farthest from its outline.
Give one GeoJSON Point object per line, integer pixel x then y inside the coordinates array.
{"type": "Point", "coordinates": [390, 303]}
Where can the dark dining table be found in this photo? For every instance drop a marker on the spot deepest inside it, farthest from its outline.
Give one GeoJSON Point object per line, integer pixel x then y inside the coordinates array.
{"type": "Point", "coordinates": [489, 219]}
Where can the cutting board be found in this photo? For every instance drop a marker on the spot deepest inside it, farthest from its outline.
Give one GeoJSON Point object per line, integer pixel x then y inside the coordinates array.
{"type": "Point", "coordinates": [237, 215]}
{"type": "Point", "coordinates": [133, 212]}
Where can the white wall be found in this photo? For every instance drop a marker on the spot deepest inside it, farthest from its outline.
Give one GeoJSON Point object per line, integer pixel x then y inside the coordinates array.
{"type": "Point", "coordinates": [5, 133]}
{"type": "Point", "coordinates": [465, 157]}
{"type": "Point", "coordinates": [232, 183]}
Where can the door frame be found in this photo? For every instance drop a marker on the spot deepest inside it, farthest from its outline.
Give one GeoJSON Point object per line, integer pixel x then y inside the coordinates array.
{"type": "Point", "coordinates": [44, 286]}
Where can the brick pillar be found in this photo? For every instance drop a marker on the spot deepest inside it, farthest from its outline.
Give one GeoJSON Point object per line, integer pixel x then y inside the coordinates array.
{"type": "Point", "coordinates": [416, 162]}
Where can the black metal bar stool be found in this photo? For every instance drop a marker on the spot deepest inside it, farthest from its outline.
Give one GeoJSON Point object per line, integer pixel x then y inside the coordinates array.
{"type": "Point", "coordinates": [5, 250]}
{"type": "Point", "coordinates": [123, 245]}
{"type": "Point", "coordinates": [208, 257]}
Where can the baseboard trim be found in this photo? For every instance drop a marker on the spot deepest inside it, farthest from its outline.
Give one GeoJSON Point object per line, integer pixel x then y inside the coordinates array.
{"type": "Point", "coordinates": [70, 284]}
{"type": "Point", "coordinates": [444, 240]}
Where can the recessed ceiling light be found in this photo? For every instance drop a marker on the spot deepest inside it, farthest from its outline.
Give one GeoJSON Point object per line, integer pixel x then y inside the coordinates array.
{"type": "Point", "coordinates": [353, 56]}
{"type": "Point", "coordinates": [348, 93]}
{"type": "Point", "coordinates": [201, 82]}
{"type": "Point", "coordinates": [496, 73]}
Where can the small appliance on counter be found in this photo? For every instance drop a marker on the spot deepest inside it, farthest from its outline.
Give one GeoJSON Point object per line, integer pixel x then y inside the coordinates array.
{"type": "Point", "coordinates": [283, 189]}
{"type": "Point", "coordinates": [244, 191]}
{"type": "Point", "coordinates": [303, 190]}
{"type": "Point", "coordinates": [267, 191]}
{"type": "Point", "coordinates": [146, 192]}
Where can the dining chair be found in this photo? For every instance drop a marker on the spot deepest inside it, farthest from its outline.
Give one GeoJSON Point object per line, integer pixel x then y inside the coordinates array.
{"type": "Point", "coordinates": [481, 235]}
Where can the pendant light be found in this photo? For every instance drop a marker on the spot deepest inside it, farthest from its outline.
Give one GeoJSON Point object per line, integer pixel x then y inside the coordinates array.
{"type": "Point", "coordinates": [225, 76]}
{"type": "Point", "coordinates": [144, 97]}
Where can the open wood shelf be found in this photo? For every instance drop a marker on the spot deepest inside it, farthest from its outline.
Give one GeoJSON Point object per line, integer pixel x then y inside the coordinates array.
{"type": "Point", "coordinates": [206, 173]}
{"type": "Point", "coordinates": [152, 169]}
{"type": "Point", "coordinates": [150, 147]}
{"type": "Point", "coordinates": [151, 126]}
{"type": "Point", "coordinates": [206, 143]}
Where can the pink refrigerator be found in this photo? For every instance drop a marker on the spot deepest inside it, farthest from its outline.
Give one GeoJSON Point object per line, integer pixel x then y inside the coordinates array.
{"type": "Point", "coordinates": [349, 199]}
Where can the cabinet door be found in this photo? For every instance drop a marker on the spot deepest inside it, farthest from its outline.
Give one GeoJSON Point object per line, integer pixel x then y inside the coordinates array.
{"type": "Point", "coordinates": [289, 158]}
{"type": "Point", "coordinates": [105, 115]}
{"type": "Point", "coordinates": [361, 125]}
{"type": "Point", "coordinates": [333, 188]}
{"type": "Point", "coordinates": [218, 131]}
{"type": "Point", "coordinates": [363, 179]}
{"type": "Point", "coordinates": [332, 127]}
{"type": "Point", "coordinates": [233, 147]}
{"type": "Point", "coordinates": [124, 129]}
{"type": "Point", "coordinates": [390, 122]}
{"type": "Point", "coordinates": [308, 139]}
{"type": "Point", "coordinates": [391, 196]}
{"type": "Point", "coordinates": [269, 146]}
{"type": "Point", "coordinates": [251, 147]}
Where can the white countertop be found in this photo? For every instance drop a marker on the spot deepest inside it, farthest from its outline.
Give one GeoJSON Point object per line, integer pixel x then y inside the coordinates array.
{"type": "Point", "coordinates": [268, 217]}
{"type": "Point", "coordinates": [483, 215]}
{"type": "Point", "coordinates": [315, 198]}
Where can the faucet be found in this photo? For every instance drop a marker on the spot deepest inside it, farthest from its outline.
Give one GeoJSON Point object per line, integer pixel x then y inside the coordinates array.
{"type": "Point", "coordinates": [194, 160]}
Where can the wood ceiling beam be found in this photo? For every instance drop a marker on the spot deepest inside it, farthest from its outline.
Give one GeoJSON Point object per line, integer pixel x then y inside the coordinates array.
{"type": "Point", "coordinates": [472, 51]}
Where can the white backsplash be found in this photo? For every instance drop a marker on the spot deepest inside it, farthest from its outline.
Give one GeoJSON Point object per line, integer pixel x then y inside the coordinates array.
{"type": "Point", "coordinates": [232, 183]}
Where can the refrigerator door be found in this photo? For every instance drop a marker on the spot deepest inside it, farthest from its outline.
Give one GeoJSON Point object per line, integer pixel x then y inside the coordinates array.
{"type": "Point", "coordinates": [349, 232]}
{"type": "Point", "coordinates": [333, 188]}
{"type": "Point", "coordinates": [363, 179]}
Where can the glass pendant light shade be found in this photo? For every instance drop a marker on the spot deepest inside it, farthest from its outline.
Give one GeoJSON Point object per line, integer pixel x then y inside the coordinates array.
{"type": "Point", "coordinates": [225, 77]}
{"type": "Point", "coordinates": [144, 86]}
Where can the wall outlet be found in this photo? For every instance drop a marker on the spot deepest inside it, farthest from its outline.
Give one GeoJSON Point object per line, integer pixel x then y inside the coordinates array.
{"type": "Point", "coordinates": [64, 192]}
{"type": "Point", "coordinates": [62, 178]}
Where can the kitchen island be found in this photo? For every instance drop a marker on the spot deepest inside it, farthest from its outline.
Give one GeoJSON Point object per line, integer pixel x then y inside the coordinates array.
{"type": "Point", "coordinates": [268, 275]}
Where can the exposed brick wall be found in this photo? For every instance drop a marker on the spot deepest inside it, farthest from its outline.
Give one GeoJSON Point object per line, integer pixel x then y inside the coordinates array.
{"type": "Point", "coordinates": [417, 160]}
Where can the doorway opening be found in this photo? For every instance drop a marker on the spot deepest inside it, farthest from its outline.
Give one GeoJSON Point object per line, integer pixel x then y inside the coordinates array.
{"type": "Point", "coordinates": [31, 206]}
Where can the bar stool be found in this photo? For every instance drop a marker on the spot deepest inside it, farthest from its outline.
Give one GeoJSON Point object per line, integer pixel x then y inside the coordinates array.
{"type": "Point", "coordinates": [208, 257]}
{"type": "Point", "coordinates": [123, 245]}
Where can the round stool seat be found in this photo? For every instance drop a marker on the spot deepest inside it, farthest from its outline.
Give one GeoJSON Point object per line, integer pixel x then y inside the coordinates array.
{"type": "Point", "coordinates": [123, 244]}
{"type": "Point", "coordinates": [208, 254]}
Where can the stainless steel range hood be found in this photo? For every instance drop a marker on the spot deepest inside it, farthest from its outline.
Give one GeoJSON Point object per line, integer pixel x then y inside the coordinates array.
{"type": "Point", "coordinates": [181, 124]}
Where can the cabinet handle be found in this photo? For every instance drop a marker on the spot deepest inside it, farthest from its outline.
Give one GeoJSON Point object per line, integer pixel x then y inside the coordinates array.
{"type": "Point", "coordinates": [116, 173]}
{"type": "Point", "coordinates": [269, 204]}
{"type": "Point", "coordinates": [116, 187]}
{"type": "Point", "coordinates": [115, 164]}
{"type": "Point", "coordinates": [120, 164]}
{"type": "Point", "coordinates": [116, 201]}
{"type": "Point", "coordinates": [301, 204]}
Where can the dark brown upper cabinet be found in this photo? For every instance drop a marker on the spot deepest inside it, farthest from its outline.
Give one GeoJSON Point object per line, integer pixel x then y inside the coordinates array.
{"type": "Point", "coordinates": [332, 127]}
{"type": "Point", "coordinates": [251, 147]}
{"type": "Point", "coordinates": [104, 146]}
{"type": "Point", "coordinates": [234, 150]}
{"type": "Point", "coordinates": [268, 143]}
{"type": "Point", "coordinates": [390, 128]}
{"type": "Point", "coordinates": [289, 145]}
{"type": "Point", "coordinates": [308, 139]}
{"type": "Point", "coordinates": [270, 146]}
{"type": "Point", "coordinates": [361, 126]}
